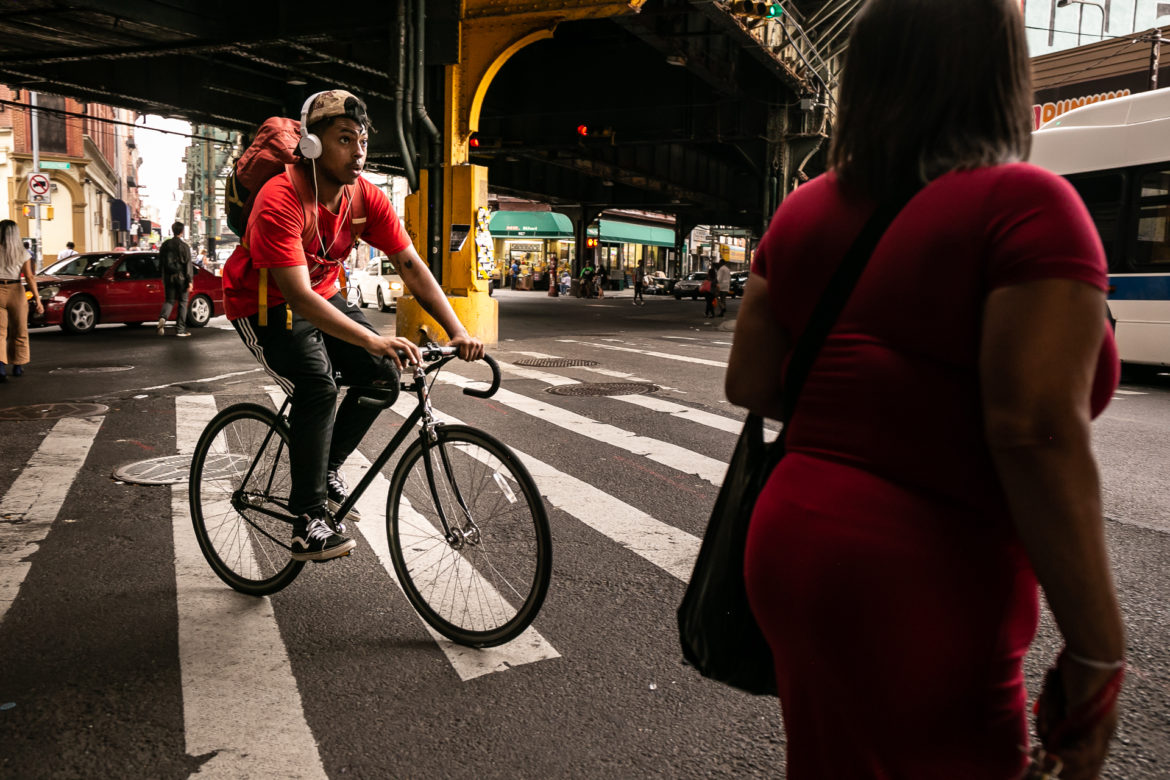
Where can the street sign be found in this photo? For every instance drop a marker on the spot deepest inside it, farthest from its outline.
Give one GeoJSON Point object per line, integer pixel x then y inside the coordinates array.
{"type": "Point", "coordinates": [53, 165]}
{"type": "Point", "coordinates": [38, 188]}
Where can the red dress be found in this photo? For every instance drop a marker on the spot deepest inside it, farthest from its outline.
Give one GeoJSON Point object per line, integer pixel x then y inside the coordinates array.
{"type": "Point", "coordinates": [882, 563]}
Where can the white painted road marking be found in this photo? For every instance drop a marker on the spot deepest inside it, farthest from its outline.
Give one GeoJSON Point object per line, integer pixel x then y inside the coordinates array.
{"type": "Point", "coordinates": [651, 353]}
{"type": "Point", "coordinates": [607, 372]}
{"type": "Point", "coordinates": [667, 454]}
{"type": "Point", "coordinates": [663, 545]}
{"type": "Point", "coordinates": [240, 699]}
{"type": "Point", "coordinates": [35, 498]}
{"type": "Point", "coordinates": [719, 422]}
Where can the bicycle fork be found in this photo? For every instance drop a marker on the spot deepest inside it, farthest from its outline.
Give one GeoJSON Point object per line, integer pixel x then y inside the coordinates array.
{"type": "Point", "coordinates": [456, 537]}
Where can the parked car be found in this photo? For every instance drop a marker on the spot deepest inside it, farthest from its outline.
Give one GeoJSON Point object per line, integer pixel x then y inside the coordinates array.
{"type": "Point", "coordinates": [98, 287]}
{"type": "Point", "coordinates": [378, 283]}
{"type": "Point", "coordinates": [738, 280]}
{"type": "Point", "coordinates": [689, 286]}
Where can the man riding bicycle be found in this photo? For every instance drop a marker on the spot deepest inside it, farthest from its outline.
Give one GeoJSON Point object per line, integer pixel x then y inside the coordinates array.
{"type": "Point", "coordinates": [281, 294]}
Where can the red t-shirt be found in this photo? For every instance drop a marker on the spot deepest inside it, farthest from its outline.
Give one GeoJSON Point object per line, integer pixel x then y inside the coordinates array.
{"type": "Point", "coordinates": [895, 390]}
{"type": "Point", "coordinates": [274, 237]}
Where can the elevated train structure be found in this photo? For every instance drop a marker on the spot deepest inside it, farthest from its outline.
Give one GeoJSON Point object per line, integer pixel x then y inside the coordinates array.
{"type": "Point", "coordinates": [707, 110]}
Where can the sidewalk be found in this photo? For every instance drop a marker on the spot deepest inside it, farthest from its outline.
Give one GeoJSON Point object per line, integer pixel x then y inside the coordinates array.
{"type": "Point", "coordinates": [626, 296]}
{"type": "Point", "coordinates": [503, 292]}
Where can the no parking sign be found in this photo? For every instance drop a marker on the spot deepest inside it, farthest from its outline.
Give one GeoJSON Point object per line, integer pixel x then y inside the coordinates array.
{"type": "Point", "coordinates": [38, 188]}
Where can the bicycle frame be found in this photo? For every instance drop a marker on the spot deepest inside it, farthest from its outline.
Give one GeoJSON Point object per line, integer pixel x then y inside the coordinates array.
{"type": "Point", "coordinates": [422, 412]}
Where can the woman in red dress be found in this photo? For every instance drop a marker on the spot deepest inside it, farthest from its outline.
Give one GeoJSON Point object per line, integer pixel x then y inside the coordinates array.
{"type": "Point", "coordinates": [939, 463]}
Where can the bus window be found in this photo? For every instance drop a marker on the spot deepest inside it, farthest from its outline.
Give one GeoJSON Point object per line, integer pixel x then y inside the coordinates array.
{"type": "Point", "coordinates": [1152, 247]}
{"type": "Point", "coordinates": [1103, 194]}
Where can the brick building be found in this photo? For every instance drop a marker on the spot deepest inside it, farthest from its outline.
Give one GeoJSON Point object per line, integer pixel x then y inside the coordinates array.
{"type": "Point", "coordinates": [92, 166]}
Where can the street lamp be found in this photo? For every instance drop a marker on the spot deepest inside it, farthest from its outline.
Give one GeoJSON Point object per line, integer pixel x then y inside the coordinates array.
{"type": "Point", "coordinates": [1082, 4]}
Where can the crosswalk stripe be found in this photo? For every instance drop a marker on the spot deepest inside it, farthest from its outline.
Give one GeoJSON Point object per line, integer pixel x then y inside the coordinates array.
{"type": "Point", "coordinates": [671, 455]}
{"type": "Point", "coordinates": [663, 545]}
{"type": "Point", "coordinates": [468, 662]}
{"type": "Point", "coordinates": [240, 698]}
{"type": "Point", "coordinates": [608, 372]}
{"type": "Point", "coordinates": [651, 353]}
{"type": "Point", "coordinates": [30, 506]}
{"type": "Point", "coordinates": [653, 403]}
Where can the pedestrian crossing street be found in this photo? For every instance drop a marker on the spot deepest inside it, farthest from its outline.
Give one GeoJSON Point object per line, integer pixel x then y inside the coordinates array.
{"type": "Point", "coordinates": [221, 633]}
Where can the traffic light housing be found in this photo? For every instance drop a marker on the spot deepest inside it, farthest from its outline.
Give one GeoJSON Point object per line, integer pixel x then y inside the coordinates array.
{"type": "Point", "coordinates": [759, 9]}
{"type": "Point", "coordinates": [29, 211]}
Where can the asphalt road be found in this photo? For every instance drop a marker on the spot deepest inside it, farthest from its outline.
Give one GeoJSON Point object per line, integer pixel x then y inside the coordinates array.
{"type": "Point", "coordinates": [125, 657]}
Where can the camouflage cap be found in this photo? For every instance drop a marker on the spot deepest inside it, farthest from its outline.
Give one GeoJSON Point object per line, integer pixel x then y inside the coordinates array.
{"type": "Point", "coordinates": [337, 102]}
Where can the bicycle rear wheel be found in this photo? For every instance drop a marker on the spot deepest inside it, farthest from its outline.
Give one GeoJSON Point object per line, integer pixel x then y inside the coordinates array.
{"type": "Point", "coordinates": [484, 585]}
{"type": "Point", "coordinates": [239, 489]}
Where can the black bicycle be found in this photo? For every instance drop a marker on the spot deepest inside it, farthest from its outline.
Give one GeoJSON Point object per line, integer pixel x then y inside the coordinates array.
{"type": "Point", "coordinates": [469, 535]}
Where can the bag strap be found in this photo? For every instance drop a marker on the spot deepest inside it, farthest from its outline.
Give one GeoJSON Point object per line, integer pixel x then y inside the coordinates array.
{"type": "Point", "coordinates": [833, 300]}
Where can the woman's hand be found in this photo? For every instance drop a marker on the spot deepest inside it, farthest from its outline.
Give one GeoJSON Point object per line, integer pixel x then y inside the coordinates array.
{"type": "Point", "coordinates": [1076, 716]}
{"type": "Point", "coordinates": [470, 348]}
{"type": "Point", "coordinates": [40, 307]}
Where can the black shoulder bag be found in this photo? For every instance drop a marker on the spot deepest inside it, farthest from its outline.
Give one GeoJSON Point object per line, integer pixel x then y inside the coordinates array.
{"type": "Point", "coordinates": [717, 630]}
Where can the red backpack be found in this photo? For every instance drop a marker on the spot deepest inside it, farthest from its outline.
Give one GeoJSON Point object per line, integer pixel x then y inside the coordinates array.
{"type": "Point", "coordinates": [272, 153]}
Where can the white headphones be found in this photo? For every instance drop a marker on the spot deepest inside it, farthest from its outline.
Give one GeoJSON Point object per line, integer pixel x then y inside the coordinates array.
{"type": "Point", "coordinates": [309, 145]}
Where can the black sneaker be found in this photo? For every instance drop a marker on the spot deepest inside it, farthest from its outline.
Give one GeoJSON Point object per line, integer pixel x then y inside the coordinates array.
{"type": "Point", "coordinates": [337, 492]}
{"type": "Point", "coordinates": [314, 540]}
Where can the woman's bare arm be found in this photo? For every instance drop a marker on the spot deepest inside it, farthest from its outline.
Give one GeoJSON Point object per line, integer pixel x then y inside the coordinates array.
{"type": "Point", "coordinates": [754, 369]}
{"type": "Point", "coordinates": [1039, 354]}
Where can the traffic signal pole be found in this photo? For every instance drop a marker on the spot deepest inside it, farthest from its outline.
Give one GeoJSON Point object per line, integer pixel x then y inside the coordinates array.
{"type": "Point", "coordinates": [36, 164]}
{"type": "Point", "coordinates": [454, 204]}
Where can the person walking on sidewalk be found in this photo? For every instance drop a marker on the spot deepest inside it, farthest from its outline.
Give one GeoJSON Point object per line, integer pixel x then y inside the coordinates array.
{"type": "Point", "coordinates": [722, 286]}
{"type": "Point", "coordinates": [67, 252]}
{"type": "Point", "coordinates": [15, 260]}
{"type": "Point", "coordinates": [708, 290]}
{"type": "Point", "coordinates": [639, 283]}
{"type": "Point", "coordinates": [178, 278]}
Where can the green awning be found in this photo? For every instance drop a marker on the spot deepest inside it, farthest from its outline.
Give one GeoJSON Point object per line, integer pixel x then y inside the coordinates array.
{"type": "Point", "coordinates": [530, 224]}
{"type": "Point", "coordinates": [626, 233]}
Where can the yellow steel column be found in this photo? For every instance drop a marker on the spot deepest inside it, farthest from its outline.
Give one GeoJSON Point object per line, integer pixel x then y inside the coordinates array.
{"type": "Point", "coordinates": [491, 32]}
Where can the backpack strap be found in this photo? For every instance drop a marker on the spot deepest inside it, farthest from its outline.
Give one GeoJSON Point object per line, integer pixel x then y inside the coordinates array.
{"type": "Point", "coordinates": [357, 225]}
{"type": "Point", "coordinates": [309, 204]}
{"type": "Point", "coordinates": [357, 213]}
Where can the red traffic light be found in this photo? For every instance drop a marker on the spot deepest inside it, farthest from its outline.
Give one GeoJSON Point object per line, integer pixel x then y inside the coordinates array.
{"type": "Point", "coordinates": [473, 141]}
{"type": "Point", "coordinates": [590, 242]}
{"type": "Point", "coordinates": [582, 130]}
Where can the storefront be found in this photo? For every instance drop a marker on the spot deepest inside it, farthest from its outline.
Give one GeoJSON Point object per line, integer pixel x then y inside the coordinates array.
{"type": "Point", "coordinates": [1088, 74]}
{"type": "Point", "coordinates": [623, 246]}
{"type": "Point", "coordinates": [533, 241]}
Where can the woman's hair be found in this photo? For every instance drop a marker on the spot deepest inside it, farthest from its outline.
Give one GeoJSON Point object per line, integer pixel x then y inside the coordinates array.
{"type": "Point", "coordinates": [12, 251]}
{"type": "Point", "coordinates": [931, 86]}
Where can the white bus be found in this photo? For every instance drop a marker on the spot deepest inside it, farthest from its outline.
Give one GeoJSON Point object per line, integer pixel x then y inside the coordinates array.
{"type": "Point", "coordinates": [1117, 155]}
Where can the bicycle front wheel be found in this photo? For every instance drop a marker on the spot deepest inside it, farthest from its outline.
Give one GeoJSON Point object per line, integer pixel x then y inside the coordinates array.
{"type": "Point", "coordinates": [239, 489]}
{"type": "Point", "coordinates": [481, 584]}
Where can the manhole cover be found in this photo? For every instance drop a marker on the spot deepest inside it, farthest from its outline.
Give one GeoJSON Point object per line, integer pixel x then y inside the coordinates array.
{"type": "Point", "coordinates": [52, 411]}
{"type": "Point", "coordinates": [92, 370]}
{"type": "Point", "coordinates": [173, 469]}
{"type": "Point", "coordinates": [554, 362]}
{"type": "Point", "coordinates": [603, 388]}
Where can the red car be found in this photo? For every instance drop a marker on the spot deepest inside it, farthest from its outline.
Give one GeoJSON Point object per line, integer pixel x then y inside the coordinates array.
{"type": "Point", "coordinates": [82, 291]}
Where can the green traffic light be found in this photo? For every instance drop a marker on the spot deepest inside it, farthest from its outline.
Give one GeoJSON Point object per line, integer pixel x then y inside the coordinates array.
{"type": "Point", "coordinates": [774, 11]}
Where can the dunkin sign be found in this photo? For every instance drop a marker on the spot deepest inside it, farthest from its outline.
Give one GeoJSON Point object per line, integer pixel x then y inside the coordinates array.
{"type": "Point", "coordinates": [1046, 112]}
